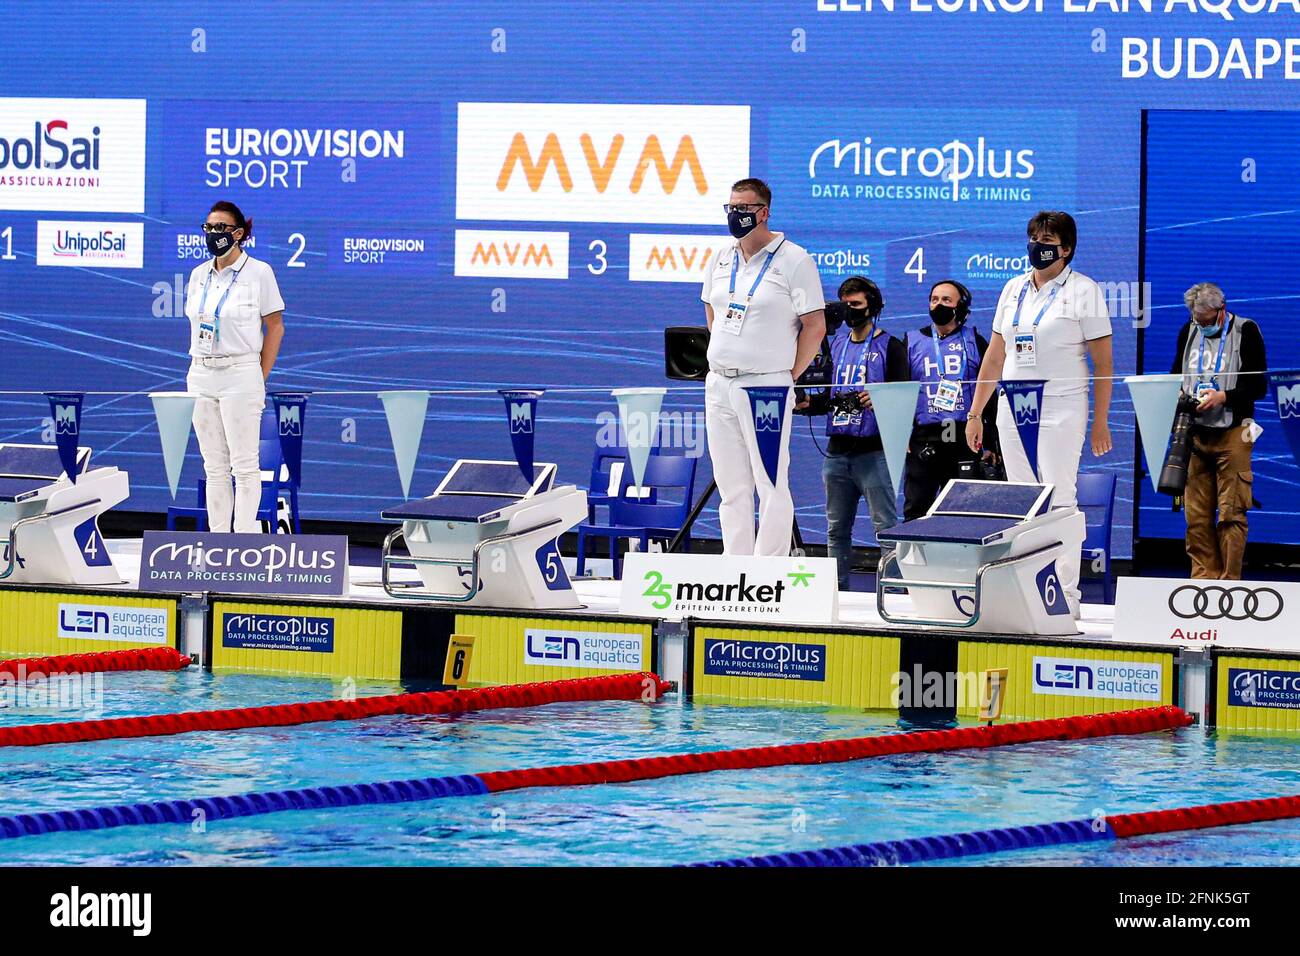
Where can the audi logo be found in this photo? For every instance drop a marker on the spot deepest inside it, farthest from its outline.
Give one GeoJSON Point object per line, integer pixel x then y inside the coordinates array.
{"type": "Point", "coordinates": [1216, 603]}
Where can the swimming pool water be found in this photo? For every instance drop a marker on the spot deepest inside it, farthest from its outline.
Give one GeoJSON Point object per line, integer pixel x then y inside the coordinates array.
{"type": "Point", "coordinates": [676, 820]}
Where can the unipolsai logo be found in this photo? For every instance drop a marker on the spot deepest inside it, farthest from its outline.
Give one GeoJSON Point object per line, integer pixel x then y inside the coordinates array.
{"type": "Point", "coordinates": [290, 420]}
{"type": "Point", "coordinates": [1025, 407]}
{"type": "Point", "coordinates": [108, 245]}
{"type": "Point", "coordinates": [53, 145]}
{"type": "Point", "coordinates": [767, 415]}
{"type": "Point", "coordinates": [521, 418]}
{"type": "Point", "coordinates": [1288, 401]}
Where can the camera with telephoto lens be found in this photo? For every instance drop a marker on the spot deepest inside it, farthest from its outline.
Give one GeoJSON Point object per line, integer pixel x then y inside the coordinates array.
{"type": "Point", "coordinates": [1173, 474]}
{"type": "Point", "coordinates": [845, 403]}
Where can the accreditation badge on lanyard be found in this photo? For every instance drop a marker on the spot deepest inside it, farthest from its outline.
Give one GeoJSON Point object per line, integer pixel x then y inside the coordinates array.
{"type": "Point", "coordinates": [210, 325]}
{"type": "Point", "coordinates": [734, 320]}
{"type": "Point", "coordinates": [1026, 343]}
{"type": "Point", "coordinates": [948, 392]}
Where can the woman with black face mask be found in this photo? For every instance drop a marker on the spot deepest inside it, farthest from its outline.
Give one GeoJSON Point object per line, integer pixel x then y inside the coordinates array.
{"type": "Point", "coordinates": [1048, 324]}
{"type": "Point", "coordinates": [236, 325]}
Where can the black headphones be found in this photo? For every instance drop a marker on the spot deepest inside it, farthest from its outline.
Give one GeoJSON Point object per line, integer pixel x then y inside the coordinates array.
{"type": "Point", "coordinates": [875, 301]}
{"type": "Point", "coordinates": [963, 297]}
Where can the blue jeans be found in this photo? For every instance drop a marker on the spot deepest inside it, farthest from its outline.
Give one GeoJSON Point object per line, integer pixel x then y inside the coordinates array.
{"type": "Point", "coordinates": [849, 478]}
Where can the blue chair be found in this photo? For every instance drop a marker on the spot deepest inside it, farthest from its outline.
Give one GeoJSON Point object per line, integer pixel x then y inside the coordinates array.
{"type": "Point", "coordinates": [643, 520]}
{"type": "Point", "coordinates": [1096, 495]}
{"type": "Point", "coordinates": [602, 463]}
{"type": "Point", "coordinates": [279, 484]}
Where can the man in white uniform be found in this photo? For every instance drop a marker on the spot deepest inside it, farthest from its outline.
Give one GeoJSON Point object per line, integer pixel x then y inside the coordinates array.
{"type": "Point", "coordinates": [763, 302]}
{"type": "Point", "coordinates": [1054, 318]}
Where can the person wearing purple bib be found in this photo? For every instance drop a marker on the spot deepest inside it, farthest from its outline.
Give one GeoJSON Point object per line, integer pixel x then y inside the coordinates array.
{"type": "Point", "coordinates": [944, 356]}
{"type": "Point", "coordinates": [855, 465]}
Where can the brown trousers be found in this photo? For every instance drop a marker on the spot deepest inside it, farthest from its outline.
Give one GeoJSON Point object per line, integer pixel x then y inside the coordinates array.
{"type": "Point", "coordinates": [1218, 479]}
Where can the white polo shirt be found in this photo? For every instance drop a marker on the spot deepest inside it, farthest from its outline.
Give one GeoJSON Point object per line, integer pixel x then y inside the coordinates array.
{"type": "Point", "coordinates": [254, 294]}
{"type": "Point", "coordinates": [1077, 315]}
{"type": "Point", "coordinates": [790, 288]}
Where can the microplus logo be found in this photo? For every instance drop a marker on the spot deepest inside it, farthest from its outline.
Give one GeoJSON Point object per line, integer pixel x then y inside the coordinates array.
{"type": "Point", "coordinates": [101, 245]}
{"type": "Point", "coordinates": [953, 162]}
{"type": "Point", "coordinates": [278, 632]}
{"type": "Point", "coordinates": [992, 265]}
{"type": "Point", "coordinates": [785, 660]}
{"type": "Point", "coordinates": [1254, 687]}
{"type": "Point", "coordinates": [75, 908]}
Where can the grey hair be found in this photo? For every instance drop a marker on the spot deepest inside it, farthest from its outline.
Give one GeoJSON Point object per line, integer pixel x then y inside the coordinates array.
{"type": "Point", "coordinates": [1203, 296]}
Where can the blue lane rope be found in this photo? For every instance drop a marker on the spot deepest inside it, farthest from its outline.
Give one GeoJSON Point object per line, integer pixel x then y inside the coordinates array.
{"type": "Point", "coordinates": [240, 805]}
{"type": "Point", "coordinates": [922, 849]}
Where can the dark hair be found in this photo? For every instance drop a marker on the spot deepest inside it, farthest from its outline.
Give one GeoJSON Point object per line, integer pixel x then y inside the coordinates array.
{"type": "Point", "coordinates": [230, 208]}
{"type": "Point", "coordinates": [754, 185]}
{"type": "Point", "coordinates": [1060, 224]}
{"type": "Point", "coordinates": [855, 284]}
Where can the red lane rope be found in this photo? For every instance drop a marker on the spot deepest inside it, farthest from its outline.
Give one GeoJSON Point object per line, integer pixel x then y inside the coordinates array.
{"type": "Point", "coordinates": [135, 659]}
{"type": "Point", "coordinates": [838, 751]}
{"type": "Point", "coordinates": [613, 687]}
{"type": "Point", "coordinates": [1210, 815]}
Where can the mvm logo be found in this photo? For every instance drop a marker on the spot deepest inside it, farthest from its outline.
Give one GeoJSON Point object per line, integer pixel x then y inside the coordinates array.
{"type": "Point", "coordinates": [662, 258]}
{"type": "Point", "coordinates": [598, 162]}
{"type": "Point", "coordinates": [512, 255]}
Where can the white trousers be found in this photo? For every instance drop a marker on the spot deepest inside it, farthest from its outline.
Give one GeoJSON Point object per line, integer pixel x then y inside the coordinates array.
{"type": "Point", "coordinates": [1063, 421]}
{"type": "Point", "coordinates": [228, 423]}
{"type": "Point", "coordinates": [738, 468]}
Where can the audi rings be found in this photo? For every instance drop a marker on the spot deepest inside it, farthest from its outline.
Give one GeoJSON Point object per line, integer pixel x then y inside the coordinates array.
{"type": "Point", "coordinates": [1216, 603]}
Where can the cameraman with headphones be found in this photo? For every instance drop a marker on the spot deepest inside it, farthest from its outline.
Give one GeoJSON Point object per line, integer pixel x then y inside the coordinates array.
{"type": "Point", "coordinates": [855, 467]}
{"type": "Point", "coordinates": [944, 356]}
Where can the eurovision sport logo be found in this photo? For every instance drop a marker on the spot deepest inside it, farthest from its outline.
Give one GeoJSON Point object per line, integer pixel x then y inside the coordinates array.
{"type": "Point", "coordinates": [244, 563]}
{"type": "Point", "coordinates": [72, 155]}
{"type": "Point", "coordinates": [895, 165]}
{"type": "Point", "coordinates": [300, 157]}
{"type": "Point", "coordinates": [730, 587]}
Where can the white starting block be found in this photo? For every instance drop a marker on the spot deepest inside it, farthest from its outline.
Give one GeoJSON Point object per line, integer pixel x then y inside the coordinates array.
{"type": "Point", "coordinates": [51, 526]}
{"type": "Point", "coordinates": [487, 537]}
{"type": "Point", "coordinates": [984, 558]}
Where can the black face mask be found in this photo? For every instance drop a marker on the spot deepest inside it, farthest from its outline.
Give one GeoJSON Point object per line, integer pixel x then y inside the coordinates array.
{"type": "Point", "coordinates": [1043, 255]}
{"type": "Point", "coordinates": [219, 243]}
{"type": "Point", "coordinates": [741, 224]}
{"type": "Point", "coordinates": [943, 314]}
{"type": "Point", "coordinates": [856, 318]}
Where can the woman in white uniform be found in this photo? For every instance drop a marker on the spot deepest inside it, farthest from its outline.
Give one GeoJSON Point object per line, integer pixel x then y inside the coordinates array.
{"type": "Point", "coordinates": [1055, 318]}
{"type": "Point", "coordinates": [236, 326]}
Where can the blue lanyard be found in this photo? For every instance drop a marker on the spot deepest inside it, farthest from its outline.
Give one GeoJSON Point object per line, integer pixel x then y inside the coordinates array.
{"type": "Point", "coordinates": [1218, 359]}
{"type": "Point", "coordinates": [938, 356]}
{"type": "Point", "coordinates": [207, 282]}
{"type": "Point", "coordinates": [1024, 291]}
{"type": "Point", "coordinates": [735, 266]}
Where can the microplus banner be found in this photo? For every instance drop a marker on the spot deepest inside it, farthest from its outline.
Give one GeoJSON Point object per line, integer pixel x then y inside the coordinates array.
{"type": "Point", "coordinates": [272, 564]}
{"type": "Point", "coordinates": [730, 587]}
